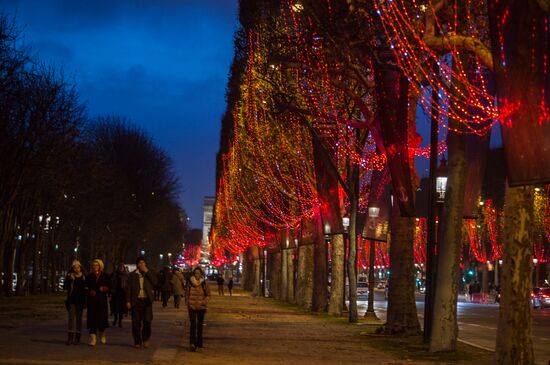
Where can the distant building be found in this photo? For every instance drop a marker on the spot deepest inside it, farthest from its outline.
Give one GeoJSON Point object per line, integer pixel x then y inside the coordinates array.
{"type": "Point", "coordinates": [208, 211]}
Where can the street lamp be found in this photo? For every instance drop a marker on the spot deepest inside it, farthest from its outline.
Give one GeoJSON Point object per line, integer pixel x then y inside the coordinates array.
{"type": "Point", "coordinates": [345, 223]}
{"type": "Point", "coordinates": [142, 252]}
{"type": "Point", "coordinates": [441, 180]}
{"type": "Point", "coordinates": [169, 258]}
{"type": "Point", "coordinates": [370, 314]}
{"type": "Point", "coordinates": [438, 188]}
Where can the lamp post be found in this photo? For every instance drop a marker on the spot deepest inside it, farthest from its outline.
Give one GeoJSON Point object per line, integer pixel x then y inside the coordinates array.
{"type": "Point", "coordinates": [535, 262]}
{"type": "Point", "coordinates": [170, 258]}
{"type": "Point", "coordinates": [370, 314]}
{"type": "Point", "coordinates": [438, 187]}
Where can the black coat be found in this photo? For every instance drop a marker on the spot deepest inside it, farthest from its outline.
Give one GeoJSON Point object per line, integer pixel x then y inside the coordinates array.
{"type": "Point", "coordinates": [75, 287]}
{"type": "Point", "coordinates": [98, 311]}
{"type": "Point", "coordinates": [119, 293]}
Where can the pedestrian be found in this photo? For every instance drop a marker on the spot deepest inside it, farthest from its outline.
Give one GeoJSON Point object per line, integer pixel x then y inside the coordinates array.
{"type": "Point", "coordinates": [178, 286]}
{"type": "Point", "coordinates": [197, 295]}
{"type": "Point", "coordinates": [118, 294]}
{"type": "Point", "coordinates": [141, 283]}
{"type": "Point", "coordinates": [98, 286]}
{"type": "Point", "coordinates": [75, 302]}
{"type": "Point", "coordinates": [230, 286]}
{"type": "Point", "coordinates": [166, 286]}
{"type": "Point", "coordinates": [220, 280]}
{"type": "Point", "coordinates": [158, 287]}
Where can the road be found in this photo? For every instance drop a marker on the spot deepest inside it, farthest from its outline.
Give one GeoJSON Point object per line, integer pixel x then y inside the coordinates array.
{"type": "Point", "coordinates": [478, 323]}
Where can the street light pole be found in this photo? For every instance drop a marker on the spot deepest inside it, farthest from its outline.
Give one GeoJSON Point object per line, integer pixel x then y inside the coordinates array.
{"type": "Point", "coordinates": [430, 244]}
{"type": "Point", "coordinates": [370, 314]}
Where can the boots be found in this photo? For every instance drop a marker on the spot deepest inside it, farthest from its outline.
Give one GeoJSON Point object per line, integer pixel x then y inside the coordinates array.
{"type": "Point", "coordinates": [102, 338]}
{"type": "Point", "coordinates": [70, 337]}
{"type": "Point", "coordinates": [93, 339]}
{"type": "Point", "coordinates": [76, 340]}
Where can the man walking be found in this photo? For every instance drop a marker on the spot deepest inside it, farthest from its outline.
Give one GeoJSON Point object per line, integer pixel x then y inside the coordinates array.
{"type": "Point", "coordinates": [140, 301]}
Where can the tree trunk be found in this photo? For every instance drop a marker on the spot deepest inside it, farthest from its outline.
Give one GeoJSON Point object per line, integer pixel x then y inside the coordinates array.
{"type": "Point", "coordinates": [10, 268]}
{"type": "Point", "coordinates": [290, 276]}
{"type": "Point", "coordinates": [402, 317]}
{"type": "Point", "coordinates": [514, 335]}
{"type": "Point", "coordinates": [320, 270]}
{"type": "Point", "coordinates": [336, 301]}
{"type": "Point", "coordinates": [370, 301]}
{"type": "Point", "coordinates": [484, 278]}
{"type": "Point", "coordinates": [257, 276]}
{"type": "Point", "coordinates": [36, 261]}
{"type": "Point", "coordinates": [284, 275]}
{"type": "Point", "coordinates": [444, 321]}
{"type": "Point", "coordinates": [304, 288]}
{"type": "Point", "coordinates": [275, 275]}
{"type": "Point", "coordinates": [352, 256]}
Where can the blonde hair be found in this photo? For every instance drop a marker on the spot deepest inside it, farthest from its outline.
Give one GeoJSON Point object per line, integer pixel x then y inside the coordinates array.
{"type": "Point", "coordinates": [75, 263]}
{"type": "Point", "coordinates": [100, 263]}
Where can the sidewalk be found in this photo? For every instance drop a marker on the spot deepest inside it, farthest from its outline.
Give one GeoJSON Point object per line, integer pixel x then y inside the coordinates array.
{"type": "Point", "coordinates": [241, 330]}
{"type": "Point", "coordinates": [43, 342]}
{"type": "Point", "coordinates": [249, 331]}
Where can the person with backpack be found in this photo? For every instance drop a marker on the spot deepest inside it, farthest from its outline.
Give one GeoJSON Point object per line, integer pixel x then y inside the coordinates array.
{"type": "Point", "coordinates": [197, 295]}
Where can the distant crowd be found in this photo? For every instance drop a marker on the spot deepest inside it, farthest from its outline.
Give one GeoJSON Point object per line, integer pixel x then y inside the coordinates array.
{"type": "Point", "coordinates": [124, 293]}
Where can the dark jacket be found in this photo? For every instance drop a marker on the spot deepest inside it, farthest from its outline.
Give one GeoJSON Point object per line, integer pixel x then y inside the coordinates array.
{"type": "Point", "coordinates": [75, 287]}
{"type": "Point", "coordinates": [197, 294]}
{"type": "Point", "coordinates": [118, 293]}
{"type": "Point", "coordinates": [149, 283]}
{"type": "Point", "coordinates": [98, 288]}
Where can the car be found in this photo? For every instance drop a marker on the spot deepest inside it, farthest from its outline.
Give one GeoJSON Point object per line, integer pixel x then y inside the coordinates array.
{"type": "Point", "coordinates": [362, 288]}
{"type": "Point", "coordinates": [536, 297]}
{"type": "Point", "coordinates": [545, 297]}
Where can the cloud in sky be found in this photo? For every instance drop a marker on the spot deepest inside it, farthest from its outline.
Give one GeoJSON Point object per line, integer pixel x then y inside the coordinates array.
{"type": "Point", "coordinates": [161, 63]}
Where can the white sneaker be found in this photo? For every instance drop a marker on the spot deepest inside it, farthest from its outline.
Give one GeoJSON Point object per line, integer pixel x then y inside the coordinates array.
{"type": "Point", "coordinates": [93, 339]}
{"type": "Point", "coordinates": [103, 339]}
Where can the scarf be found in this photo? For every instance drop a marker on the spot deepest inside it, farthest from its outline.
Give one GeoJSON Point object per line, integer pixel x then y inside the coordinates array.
{"type": "Point", "coordinates": [194, 282]}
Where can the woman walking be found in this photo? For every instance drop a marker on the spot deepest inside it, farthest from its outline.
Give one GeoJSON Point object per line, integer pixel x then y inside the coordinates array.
{"type": "Point", "coordinates": [75, 302]}
{"type": "Point", "coordinates": [98, 286]}
{"type": "Point", "coordinates": [197, 295]}
{"type": "Point", "coordinates": [118, 294]}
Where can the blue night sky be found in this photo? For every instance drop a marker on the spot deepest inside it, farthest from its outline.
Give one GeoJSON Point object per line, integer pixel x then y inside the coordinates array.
{"type": "Point", "coordinates": [161, 63]}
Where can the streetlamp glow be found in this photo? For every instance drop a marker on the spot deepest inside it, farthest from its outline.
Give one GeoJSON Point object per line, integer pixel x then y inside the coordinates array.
{"type": "Point", "coordinates": [441, 181]}
{"type": "Point", "coordinates": [345, 222]}
{"type": "Point", "coordinates": [374, 212]}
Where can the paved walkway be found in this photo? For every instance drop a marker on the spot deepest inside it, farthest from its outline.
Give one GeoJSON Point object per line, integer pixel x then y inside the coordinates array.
{"type": "Point", "coordinates": [239, 330]}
